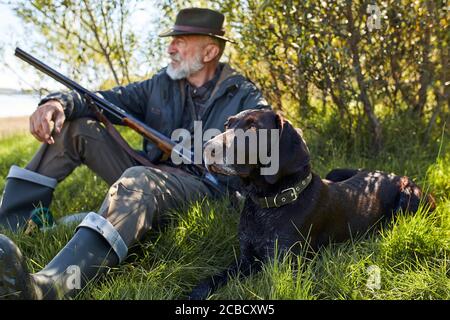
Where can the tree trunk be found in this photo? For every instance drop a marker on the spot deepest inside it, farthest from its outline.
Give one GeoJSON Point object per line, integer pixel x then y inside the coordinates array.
{"type": "Point", "coordinates": [353, 41]}
{"type": "Point", "coordinates": [426, 68]}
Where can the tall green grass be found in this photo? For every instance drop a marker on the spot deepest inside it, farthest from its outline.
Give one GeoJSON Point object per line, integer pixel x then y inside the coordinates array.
{"type": "Point", "coordinates": [411, 253]}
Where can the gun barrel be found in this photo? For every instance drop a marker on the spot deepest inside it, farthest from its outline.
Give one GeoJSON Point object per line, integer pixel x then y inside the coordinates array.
{"type": "Point", "coordinates": [68, 82]}
{"type": "Point", "coordinates": [153, 135]}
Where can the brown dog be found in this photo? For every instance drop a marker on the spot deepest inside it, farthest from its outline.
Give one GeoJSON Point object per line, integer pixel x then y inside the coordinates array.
{"type": "Point", "coordinates": [295, 206]}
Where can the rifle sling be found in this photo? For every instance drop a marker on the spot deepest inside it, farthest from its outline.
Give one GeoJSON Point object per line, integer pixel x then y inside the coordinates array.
{"type": "Point", "coordinates": [121, 141]}
{"type": "Point", "coordinates": [126, 147]}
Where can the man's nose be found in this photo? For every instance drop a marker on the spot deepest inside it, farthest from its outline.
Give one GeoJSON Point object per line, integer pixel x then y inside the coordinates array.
{"type": "Point", "coordinates": [171, 49]}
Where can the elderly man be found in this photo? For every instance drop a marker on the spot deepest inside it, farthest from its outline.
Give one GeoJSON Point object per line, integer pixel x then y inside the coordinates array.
{"type": "Point", "coordinates": [193, 87]}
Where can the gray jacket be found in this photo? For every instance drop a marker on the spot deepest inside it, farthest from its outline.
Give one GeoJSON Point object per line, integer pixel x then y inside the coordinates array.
{"type": "Point", "coordinates": [160, 102]}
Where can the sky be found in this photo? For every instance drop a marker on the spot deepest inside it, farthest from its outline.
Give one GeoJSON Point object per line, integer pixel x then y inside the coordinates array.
{"type": "Point", "coordinates": [14, 33]}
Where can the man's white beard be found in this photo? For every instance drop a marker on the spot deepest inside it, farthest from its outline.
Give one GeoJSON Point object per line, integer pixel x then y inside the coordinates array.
{"type": "Point", "coordinates": [185, 67]}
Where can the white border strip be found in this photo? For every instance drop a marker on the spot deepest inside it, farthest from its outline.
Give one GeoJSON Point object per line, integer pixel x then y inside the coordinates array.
{"type": "Point", "coordinates": [24, 174]}
{"type": "Point", "coordinates": [99, 224]}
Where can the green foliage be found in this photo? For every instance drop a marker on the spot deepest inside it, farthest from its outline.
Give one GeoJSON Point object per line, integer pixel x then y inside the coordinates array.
{"type": "Point", "coordinates": [177, 256]}
{"type": "Point", "coordinates": [416, 237]}
{"type": "Point", "coordinates": [438, 175]}
{"type": "Point", "coordinates": [350, 89]}
{"type": "Point", "coordinates": [14, 152]}
{"type": "Point", "coordinates": [95, 40]}
{"type": "Point", "coordinates": [298, 52]}
{"type": "Point", "coordinates": [411, 252]}
{"type": "Point", "coordinates": [287, 278]}
{"type": "Point", "coordinates": [303, 51]}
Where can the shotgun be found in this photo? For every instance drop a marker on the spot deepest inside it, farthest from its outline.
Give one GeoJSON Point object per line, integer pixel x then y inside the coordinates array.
{"type": "Point", "coordinates": [161, 141]}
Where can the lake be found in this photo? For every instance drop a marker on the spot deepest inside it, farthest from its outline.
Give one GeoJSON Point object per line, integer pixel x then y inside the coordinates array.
{"type": "Point", "coordinates": [17, 105]}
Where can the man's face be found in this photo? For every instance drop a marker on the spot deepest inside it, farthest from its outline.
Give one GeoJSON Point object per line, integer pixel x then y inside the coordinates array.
{"type": "Point", "coordinates": [186, 54]}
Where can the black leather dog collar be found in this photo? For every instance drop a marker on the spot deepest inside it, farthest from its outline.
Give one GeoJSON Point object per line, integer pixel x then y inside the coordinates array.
{"type": "Point", "coordinates": [284, 197]}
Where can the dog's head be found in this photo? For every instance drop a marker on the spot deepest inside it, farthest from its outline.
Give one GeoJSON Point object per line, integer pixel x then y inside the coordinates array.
{"type": "Point", "coordinates": [257, 143]}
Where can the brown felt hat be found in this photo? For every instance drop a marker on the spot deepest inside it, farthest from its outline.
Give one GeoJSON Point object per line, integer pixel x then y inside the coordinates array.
{"type": "Point", "coordinates": [198, 21]}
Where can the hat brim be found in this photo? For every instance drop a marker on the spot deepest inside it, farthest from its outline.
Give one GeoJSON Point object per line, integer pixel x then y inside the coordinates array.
{"type": "Point", "coordinates": [171, 32]}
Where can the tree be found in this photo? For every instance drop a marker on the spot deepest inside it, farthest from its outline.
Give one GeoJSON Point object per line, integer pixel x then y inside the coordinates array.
{"type": "Point", "coordinates": [302, 51]}
{"type": "Point", "coordinates": [93, 38]}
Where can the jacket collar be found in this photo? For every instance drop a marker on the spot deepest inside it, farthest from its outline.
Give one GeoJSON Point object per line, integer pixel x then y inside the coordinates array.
{"type": "Point", "coordinates": [228, 78]}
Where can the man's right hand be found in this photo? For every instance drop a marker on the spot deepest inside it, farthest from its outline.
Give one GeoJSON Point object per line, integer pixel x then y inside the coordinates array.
{"type": "Point", "coordinates": [46, 120]}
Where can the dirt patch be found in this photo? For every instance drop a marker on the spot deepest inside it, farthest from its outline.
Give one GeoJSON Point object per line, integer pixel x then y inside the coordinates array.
{"type": "Point", "coordinates": [13, 125]}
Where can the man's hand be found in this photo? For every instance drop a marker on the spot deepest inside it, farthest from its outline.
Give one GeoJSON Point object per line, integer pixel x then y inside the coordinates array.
{"type": "Point", "coordinates": [46, 120]}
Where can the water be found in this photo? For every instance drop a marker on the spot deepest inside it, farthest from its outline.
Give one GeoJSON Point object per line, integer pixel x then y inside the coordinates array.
{"type": "Point", "coordinates": [17, 105]}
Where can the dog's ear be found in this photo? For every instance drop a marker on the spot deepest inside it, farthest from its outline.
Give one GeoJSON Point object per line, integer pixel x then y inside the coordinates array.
{"type": "Point", "coordinates": [293, 152]}
{"type": "Point", "coordinates": [279, 122]}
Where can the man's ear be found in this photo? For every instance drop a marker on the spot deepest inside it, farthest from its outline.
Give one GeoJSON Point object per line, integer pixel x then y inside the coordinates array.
{"type": "Point", "coordinates": [211, 51]}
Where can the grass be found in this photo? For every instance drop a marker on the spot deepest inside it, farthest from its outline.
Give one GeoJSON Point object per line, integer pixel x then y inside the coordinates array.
{"type": "Point", "coordinates": [410, 255]}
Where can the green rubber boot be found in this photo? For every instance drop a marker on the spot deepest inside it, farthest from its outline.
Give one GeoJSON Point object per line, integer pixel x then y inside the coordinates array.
{"type": "Point", "coordinates": [95, 247]}
{"type": "Point", "coordinates": [25, 192]}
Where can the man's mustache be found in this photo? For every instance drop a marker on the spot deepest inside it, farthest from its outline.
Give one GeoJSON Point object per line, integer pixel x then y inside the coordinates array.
{"type": "Point", "coordinates": [175, 57]}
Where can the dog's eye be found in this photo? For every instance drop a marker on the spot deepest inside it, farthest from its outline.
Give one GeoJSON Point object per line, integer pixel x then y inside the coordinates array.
{"type": "Point", "coordinates": [250, 123]}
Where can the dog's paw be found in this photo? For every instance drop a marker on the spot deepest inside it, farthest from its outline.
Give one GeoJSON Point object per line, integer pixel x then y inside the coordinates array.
{"type": "Point", "coordinates": [200, 292]}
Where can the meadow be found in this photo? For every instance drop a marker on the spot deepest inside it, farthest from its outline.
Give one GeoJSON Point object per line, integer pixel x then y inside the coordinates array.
{"type": "Point", "coordinates": [406, 259]}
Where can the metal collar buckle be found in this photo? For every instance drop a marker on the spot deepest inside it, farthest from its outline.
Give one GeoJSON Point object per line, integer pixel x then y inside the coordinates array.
{"type": "Point", "coordinates": [284, 199]}
{"type": "Point", "coordinates": [286, 196]}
